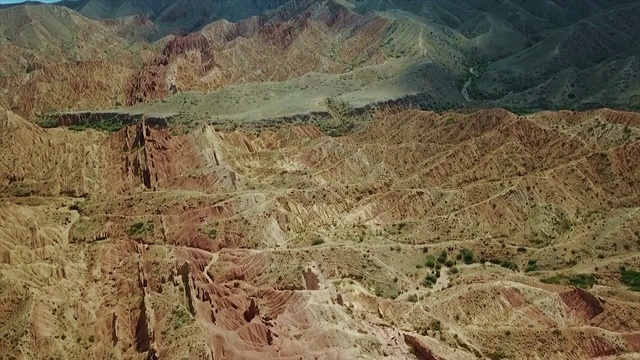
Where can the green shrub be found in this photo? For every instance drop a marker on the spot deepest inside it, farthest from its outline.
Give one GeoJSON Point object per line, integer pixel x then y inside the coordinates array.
{"type": "Point", "coordinates": [107, 125]}
{"type": "Point", "coordinates": [211, 233]}
{"type": "Point", "coordinates": [179, 318]}
{"type": "Point", "coordinates": [443, 257]}
{"type": "Point", "coordinates": [532, 265]}
{"type": "Point", "coordinates": [449, 263]}
{"type": "Point", "coordinates": [583, 281]}
{"type": "Point", "coordinates": [430, 262]}
{"type": "Point", "coordinates": [467, 256]}
{"type": "Point", "coordinates": [429, 280]}
{"type": "Point", "coordinates": [436, 325]}
{"type": "Point", "coordinates": [631, 278]}
{"type": "Point", "coordinates": [140, 228]}
{"type": "Point", "coordinates": [47, 122]}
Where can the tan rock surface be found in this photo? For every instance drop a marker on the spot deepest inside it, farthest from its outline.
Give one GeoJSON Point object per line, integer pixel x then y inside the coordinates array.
{"type": "Point", "coordinates": [292, 244]}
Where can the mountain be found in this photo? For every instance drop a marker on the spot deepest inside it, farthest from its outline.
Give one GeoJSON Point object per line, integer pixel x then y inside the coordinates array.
{"type": "Point", "coordinates": [320, 179]}
{"type": "Point", "coordinates": [57, 59]}
{"type": "Point", "coordinates": [444, 54]}
{"type": "Point", "coordinates": [182, 16]}
{"type": "Point", "coordinates": [459, 236]}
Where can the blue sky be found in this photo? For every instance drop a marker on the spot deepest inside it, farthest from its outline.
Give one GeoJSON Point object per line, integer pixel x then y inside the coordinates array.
{"type": "Point", "coordinates": [19, 1]}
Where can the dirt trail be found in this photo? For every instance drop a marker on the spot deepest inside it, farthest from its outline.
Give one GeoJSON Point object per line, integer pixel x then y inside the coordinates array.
{"type": "Point", "coordinates": [465, 88]}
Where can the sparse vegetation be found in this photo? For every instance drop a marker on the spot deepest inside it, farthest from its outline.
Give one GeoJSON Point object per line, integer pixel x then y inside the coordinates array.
{"type": "Point", "coordinates": [141, 228]}
{"type": "Point", "coordinates": [436, 325]}
{"type": "Point", "coordinates": [179, 318]}
{"type": "Point", "coordinates": [497, 355]}
{"type": "Point", "coordinates": [107, 125]}
{"type": "Point", "coordinates": [583, 281]}
{"type": "Point", "coordinates": [509, 265]}
{"type": "Point", "coordinates": [211, 233]}
{"type": "Point", "coordinates": [532, 265]}
{"type": "Point", "coordinates": [565, 224]}
{"type": "Point", "coordinates": [443, 257]}
{"type": "Point", "coordinates": [430, 262]}
{"type": "Point", "coordinates": [429, 280]}
{"type": "Point", "coordinates": [449, 263]}
{"type": "Point", "coordinates": [467, 256]}
{"type": "Point", "coordinates": [630, 278]}
{"type": "Point", "coordinates": [386, 292]}
{"type": "Point", "coordinates": [47, 122]}
{"type": "Point", "coordinates": [505, 264]}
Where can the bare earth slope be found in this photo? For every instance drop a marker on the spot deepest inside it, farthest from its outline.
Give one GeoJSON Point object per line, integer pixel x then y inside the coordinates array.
{"type": "Point", "coordinates": [54, 59]}
{"type": "Point", "coordinates": [293, 244]}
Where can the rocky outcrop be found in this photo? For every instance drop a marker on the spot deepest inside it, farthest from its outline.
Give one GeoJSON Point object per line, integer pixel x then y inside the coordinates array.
{"type": "Point", "coordinates": [421, 351]}
{"type": "Point", "coordinates": [582, 303]}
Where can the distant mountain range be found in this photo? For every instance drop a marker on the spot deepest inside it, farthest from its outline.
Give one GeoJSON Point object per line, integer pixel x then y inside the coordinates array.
{"type": "Point", "coordinates": [440, 54]}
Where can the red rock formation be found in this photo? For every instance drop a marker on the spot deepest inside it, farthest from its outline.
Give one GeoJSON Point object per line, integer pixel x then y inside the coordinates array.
{"type": "Point", "coordinates": [582, 303]}
{"type": "Point", "coordinates": [421, 351]}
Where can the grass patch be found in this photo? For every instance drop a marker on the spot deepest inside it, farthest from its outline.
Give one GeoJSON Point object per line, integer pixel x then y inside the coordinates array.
{"type": "Point", "coordinates": [583, 281]}
{"type": "Point", "coordinates": [179, 318]}
{"type": "Point", "coordinates": [565, 224]}
{"type": "Point", "coordinates": [106, 125]}
{"type": "Point", "coordinates": [532, 265]}
{"type": "Point", "coordinates": [430, 262]}
{"type": "Point", "coordinates": [211, 233]}
{"type": "Point", "coordinates": [390, 292]}
{"type": "Point", "coordinates": [505, 264]}
{"type": "Point", "coordinates": [631, 278]}
{"type": "Point", "coordinates": [47, 122]}
{"type": "Point", "coordinates": [141, 228]}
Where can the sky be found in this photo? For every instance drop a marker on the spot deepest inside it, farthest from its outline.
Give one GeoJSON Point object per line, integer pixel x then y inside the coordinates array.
{"type": "Point", "coordinates": [19, 1]}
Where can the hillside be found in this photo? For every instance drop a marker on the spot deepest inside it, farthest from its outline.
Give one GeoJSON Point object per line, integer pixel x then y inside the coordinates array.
{"type": "Point", "coordinates": [448, 54]}
{"type": "Point", "coordinates": [320, 179]}
{"type": "Point", "coordinates": [454, 235]}
{"type": "Point", "coordinates": [53, 59]}
{"type": "Point", "coordinates": [182, 16]}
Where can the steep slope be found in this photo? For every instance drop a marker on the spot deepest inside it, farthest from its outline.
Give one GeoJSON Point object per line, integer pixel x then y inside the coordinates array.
{"type": "Point", "coordinates": [582, 46]}
{"type": "Point", "coordinates": [54, 59]}
{"type": "Point", "coordinates": [540, 54]}
{"type": "Point", "coordinates": [300, 38]}
{"type": "Point", "coordinates": [442, 54]}
{"type": "Point", "coordinates": [292, 244]}
{"type": "Point", "coordinates": [182, 16]}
